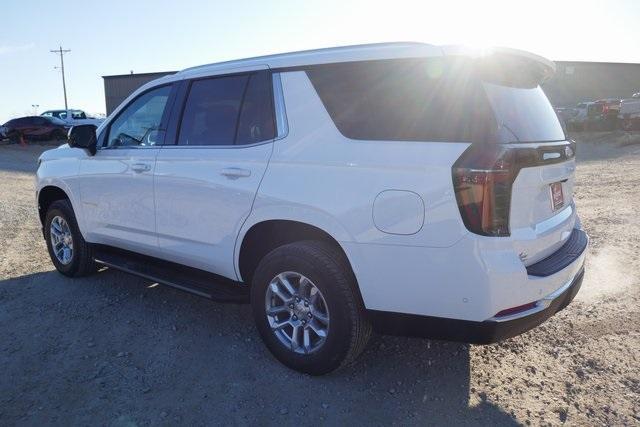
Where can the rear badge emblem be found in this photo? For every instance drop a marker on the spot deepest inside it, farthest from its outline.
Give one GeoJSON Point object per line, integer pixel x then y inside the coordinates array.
{"type": "Point", "coordinates": [523, 256]}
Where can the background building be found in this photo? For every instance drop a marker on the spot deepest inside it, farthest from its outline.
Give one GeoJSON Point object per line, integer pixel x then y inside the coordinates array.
{"type": "Point", "coordinates": [118, 87]}
{"type": "Point", "coordinates": [574, 82]}
{"type": "Point", "coordinates": [589, 81]}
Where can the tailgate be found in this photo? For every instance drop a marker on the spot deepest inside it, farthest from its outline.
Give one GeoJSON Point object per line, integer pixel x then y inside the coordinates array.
{"type": "Point", "coordinates": [542, 214]}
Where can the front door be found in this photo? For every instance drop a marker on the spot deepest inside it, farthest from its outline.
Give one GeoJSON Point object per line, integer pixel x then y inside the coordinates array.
{"type": "Point", "coordinates": [117, 184]}
{"type": "Point", "coordinates": [207, 181]}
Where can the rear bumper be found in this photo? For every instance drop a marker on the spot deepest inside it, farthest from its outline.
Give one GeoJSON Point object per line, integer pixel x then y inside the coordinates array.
{"type": "Point", "coordinates": [486, 332]}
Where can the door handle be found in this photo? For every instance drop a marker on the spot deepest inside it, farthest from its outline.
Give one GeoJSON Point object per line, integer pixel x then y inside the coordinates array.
{"type": "Point", "coordinates": [140, 167]}
{"type": "Point", "coordinates": [235, 173]}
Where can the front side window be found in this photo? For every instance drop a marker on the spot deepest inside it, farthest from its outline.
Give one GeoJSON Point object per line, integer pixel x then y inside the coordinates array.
{"type": "Point", "coordinates": [138, 124]}
{"type": "Point", "coordinates": [228, 110]}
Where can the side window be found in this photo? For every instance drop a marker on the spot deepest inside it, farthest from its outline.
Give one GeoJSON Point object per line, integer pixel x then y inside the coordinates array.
{"type": "Point", "coordinates": [211, 112]}
{"type": "Point", "coordinates": [257, 118]}
{"type": "Point", "coordinates": [228, 110]}
{"type": "Point", "coordinates": [404, 100]}
{"type": "Point", "coordinates": [138, 123]}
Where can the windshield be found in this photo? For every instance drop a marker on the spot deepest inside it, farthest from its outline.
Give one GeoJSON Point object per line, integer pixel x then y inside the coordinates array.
{"type": "Point", "coordinates": [524, 113]}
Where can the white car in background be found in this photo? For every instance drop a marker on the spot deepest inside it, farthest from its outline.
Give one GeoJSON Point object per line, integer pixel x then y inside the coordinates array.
{"type": "Point", "coordinates": [405, 188]}
{"type": "Point", "coordinates": [73, 117]}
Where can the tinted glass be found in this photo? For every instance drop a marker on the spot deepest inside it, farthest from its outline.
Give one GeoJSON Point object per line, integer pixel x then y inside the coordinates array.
{"type": "Point", "coordinates": [55, 121]}
{"type": "Point", "coordinates": [211, 112]}
{"type": "Point", "coordinates": [256, 118]}
{"type": "Point", "coordinates": [408, 99]}
{"type": "Point", "coordinates": [139, 122]}
{"type": "Point", "coordinates": [525, 113]}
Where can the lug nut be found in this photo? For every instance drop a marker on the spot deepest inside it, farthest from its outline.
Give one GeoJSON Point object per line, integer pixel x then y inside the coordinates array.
{"type": "Point", "coordinates": [306, 303]}
{"type": "Point", "coordinates": [290, 305]}
{"type": "Point", "coordinates": [295, 317]}
{"type": "Point", "coordinates": [310, 315]}
{"type": "Point", "coordinates": [304, 322]}
{"type": "Point", "coordinates": [297, 299]}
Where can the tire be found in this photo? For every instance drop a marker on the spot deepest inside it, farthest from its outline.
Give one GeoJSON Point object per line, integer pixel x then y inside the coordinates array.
{"type": "Point", "coordinates": [14, 137]}
{"type": "Point", "coordinates": [80, 262]}
{"type": "Point", "coordinates": [347, 330]}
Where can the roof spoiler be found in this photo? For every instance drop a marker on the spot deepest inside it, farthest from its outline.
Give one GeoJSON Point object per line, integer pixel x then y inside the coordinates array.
{"type": "Point", "coordinates": [505, 64]}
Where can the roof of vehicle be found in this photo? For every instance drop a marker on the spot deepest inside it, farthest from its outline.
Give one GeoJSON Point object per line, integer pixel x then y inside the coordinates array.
{"type": "Point", "coordinates": [357, 53]}
{"type": "Point", "coordinates": [61, 111]}
{"type": "Point", "coordinates": [365, 52]}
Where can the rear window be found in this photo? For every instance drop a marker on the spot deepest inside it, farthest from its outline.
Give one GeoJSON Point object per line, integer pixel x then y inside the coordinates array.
{"type": "Point", "coordinates": [525, 113]}
{"type": "Point", "coordinates": [437, 99]}
{"type": "Point", "coordinates": [409, 99]}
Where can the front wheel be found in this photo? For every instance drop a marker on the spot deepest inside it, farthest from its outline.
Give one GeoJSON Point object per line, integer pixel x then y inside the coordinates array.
{"type": "Point", "coordinates": [69, 252]}
{"type": "Point", "coordinates": [307, 308]}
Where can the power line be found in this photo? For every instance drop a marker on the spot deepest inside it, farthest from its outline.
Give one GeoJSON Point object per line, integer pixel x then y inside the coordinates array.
{"type": "Point", "coordinates": [61, 52]}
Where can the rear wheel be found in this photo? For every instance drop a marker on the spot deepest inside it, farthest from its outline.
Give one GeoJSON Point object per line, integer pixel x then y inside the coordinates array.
{"type": "Point", "coordinates": [69, 252]}
{"type": "Point", "coordinates": [307, 308]}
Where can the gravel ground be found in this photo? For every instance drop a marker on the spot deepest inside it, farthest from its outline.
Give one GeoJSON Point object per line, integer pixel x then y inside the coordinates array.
{"type": "Point", "coordinates": [112, 349]}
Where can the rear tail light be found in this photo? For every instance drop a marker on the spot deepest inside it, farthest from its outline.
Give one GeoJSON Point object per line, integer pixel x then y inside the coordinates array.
{"type": "Point", "coordinates": [482, 179]}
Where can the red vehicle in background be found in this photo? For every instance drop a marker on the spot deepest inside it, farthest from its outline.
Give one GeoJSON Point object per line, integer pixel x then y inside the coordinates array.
{"type": "Point", "coordinates": [35, 127]}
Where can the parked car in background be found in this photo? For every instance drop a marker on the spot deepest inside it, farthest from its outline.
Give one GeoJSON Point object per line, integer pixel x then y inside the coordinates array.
{"type": "Point", "coordinates": [73, 117]}
{"type": "Point", "coordinates": [294, 182]}
{"type": "Point", "coordinates": [629, 114]}
{"type": "Point", "coordinates": [565, 114]}
{"type": "Point", "coordinates": [578, 120]}
{"type": "Point", "coordinates": [608, 110]}
{"type": "Point", "coordinates": [36, 127]}
{"type": "Point", "coordinates": [598, 115]}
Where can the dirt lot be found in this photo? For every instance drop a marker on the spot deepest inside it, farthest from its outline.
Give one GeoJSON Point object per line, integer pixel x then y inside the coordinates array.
{"type": "Point", "coordinates": [111, 350]}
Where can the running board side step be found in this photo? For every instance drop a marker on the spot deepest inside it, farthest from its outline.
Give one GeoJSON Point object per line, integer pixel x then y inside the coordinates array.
{"type": "Point", "coordinates": [193, 280]}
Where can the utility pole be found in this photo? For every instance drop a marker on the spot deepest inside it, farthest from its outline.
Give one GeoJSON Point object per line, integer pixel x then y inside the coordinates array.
{"type": "Point", "coordinates": [61, 52]}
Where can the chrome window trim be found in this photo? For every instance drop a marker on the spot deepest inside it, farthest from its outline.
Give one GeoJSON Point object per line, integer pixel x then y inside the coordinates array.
{"type": "Point", "coordinates": [282, 125]}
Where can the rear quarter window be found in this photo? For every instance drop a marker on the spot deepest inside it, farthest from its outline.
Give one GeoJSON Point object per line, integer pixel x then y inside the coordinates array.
{"type": "Point", "coordinates": [426, 99]}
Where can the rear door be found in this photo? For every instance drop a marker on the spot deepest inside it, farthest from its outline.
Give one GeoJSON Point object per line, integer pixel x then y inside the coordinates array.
{"type": "Point", "coordinates": [206, 182]}
{"type": "Point", "coordinates": [117, 187]}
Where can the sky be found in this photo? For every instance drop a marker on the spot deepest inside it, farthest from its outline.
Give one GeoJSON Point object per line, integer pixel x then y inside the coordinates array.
{"type": "Point", "coordinates": [116, 37]}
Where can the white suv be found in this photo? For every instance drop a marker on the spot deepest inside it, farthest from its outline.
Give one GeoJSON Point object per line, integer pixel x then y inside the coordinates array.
{"type": "Point", "coordinates": [404, 188]}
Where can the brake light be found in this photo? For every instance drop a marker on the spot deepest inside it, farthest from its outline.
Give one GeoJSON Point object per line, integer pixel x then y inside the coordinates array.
{"type": "Point", "coordinates": [482, 180]}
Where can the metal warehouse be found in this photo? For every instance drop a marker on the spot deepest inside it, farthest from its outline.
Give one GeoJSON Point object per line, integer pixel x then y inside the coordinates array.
{"type": "Point", "coordinates": [589, 81]}
{"type": "Point", "coordinates": [118, 87]}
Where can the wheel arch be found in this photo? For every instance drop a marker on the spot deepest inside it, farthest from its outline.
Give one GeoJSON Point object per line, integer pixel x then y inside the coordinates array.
{"type": "Point", "coordinates": [262, 237]}
{"type": "Point", "coordinates": [46, 196]}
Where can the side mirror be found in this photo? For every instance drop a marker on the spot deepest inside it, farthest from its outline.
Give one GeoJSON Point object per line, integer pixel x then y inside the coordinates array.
{"type": "Point", "coordinates": [83, 136]}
